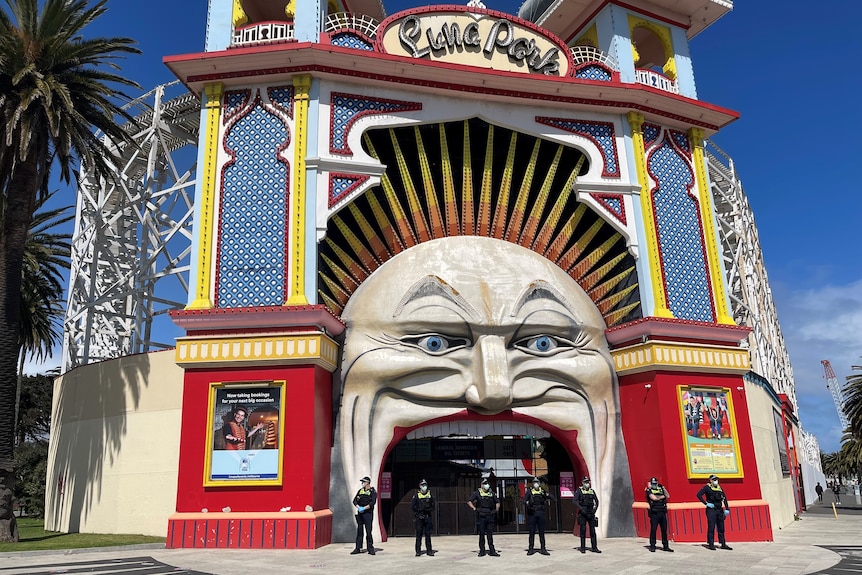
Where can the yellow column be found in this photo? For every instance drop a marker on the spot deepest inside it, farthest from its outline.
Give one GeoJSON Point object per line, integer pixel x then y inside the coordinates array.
{"type": "Point", "coordinates": [301, 87]}
{"type": "Point", "coordinates": [719, 294]}
{"type": "Point", "coordinates": [636, 121]}
{"type": "Point", "coordinates": [208, 174]}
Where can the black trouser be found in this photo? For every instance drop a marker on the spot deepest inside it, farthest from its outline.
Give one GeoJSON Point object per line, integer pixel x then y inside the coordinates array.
{"type": "Point", "coordinates": [364, 520]}
{"type": "Point", "coordinates": [714, 520]}
{"type": "Point", "coordinates": [658, 519]}
{"type": "Point", "coordinates": [485, 524]}
{"type": "Point", "coordinates": [536, 522]}
{"type": "Point", "coordinates": [424, 526]}
{"type": "Point", "coordinates": [583, 521]}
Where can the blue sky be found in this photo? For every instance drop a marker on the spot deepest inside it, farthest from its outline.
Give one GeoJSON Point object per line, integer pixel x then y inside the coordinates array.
{"type": "Point", "coordinates": [791, 68]}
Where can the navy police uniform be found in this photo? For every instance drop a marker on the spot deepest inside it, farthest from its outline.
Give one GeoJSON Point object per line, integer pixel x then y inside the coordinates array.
{"type": "Point", "coordinates": [586, 505]}
{"type": "Point", "coordinates": [364, 501]}
{"type": "Point", "coordinates": [717, 509]}
{"type": "Point", "coordinates": [656, 497]}
{"type": "Point", "coordinates": [422, 506]}
{"type": "Point", "coordinates": [536, 502]}
{"type": "Point", "coordinates": [486, 503]}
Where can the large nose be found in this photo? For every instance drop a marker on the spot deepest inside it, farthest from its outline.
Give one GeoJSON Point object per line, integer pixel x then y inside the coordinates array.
{"type": "Point", "coordinates": [491, 389]}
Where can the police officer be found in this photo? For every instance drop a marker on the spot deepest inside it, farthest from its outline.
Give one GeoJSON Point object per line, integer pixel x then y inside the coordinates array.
{"type": "Point", "coordinates": [535, 502]}
{"type": "Point", "coordinates": [486, 503]}
{"type": "Point", "coordinates": [586, 504]}
{"type": "Point", "coordinates": [364, 502]}
{"type": "Point", "coordinates": [657, 496]}
{"type": "Point", "coordinates": [717, 509]}
{"type": "Point", "coordinates": [423, 511]}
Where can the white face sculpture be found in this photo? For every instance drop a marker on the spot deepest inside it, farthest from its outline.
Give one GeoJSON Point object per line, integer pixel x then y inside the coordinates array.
{"type": "Point", "coordinates": [472, 327]}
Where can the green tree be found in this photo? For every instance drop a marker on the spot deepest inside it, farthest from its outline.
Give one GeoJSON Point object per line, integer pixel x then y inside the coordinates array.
{"type": "Point", "coordinates": [851, 442]}
{"type": "Point", "coordinates": [57, 91]}
{"type": "Point", "coordinates": [31, 451]}
{"type": "Point", "coordinates": [46, 257]}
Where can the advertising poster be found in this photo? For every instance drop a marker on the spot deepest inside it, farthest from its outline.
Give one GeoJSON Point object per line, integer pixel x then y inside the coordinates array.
{"type": "Point", "coordinates": [246, 430]}
{"type": "Point", "coordinates": [709, 429]}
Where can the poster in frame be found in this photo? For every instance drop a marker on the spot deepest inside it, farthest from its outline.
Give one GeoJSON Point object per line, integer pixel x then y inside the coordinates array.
{"type": "Point", "coordinates": [245, 432]}
{"type": "Point", "coordinates": [709, 432]}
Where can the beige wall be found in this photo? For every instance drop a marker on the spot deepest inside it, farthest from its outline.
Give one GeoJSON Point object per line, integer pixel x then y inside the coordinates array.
{"type": "Point", "coordinates": [113, 458]}
{"type": "Point", "coordinates": [776, 489]}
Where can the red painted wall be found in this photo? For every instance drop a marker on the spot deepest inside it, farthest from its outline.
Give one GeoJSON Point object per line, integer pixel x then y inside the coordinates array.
{"type": "Point", "coordinates": [653, 432]}
{"type": "Point", "coordinates": [306, 442]}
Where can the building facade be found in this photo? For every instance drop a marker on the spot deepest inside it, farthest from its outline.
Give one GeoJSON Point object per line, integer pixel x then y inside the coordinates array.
{"type": "Point", "coordinates": [454, 243]}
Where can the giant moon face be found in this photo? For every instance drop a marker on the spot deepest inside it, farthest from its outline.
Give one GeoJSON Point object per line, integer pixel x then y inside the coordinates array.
{"type": "Point", "coordinates": [473, 328]}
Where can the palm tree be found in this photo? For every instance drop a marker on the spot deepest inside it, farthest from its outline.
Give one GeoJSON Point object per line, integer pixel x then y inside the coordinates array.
{"type": "Point", "coordinates": [54, 95]}
{"type": "Point", "coordinates": [46, 256]}
{"type": "Point", "coordinates": [853, 402]}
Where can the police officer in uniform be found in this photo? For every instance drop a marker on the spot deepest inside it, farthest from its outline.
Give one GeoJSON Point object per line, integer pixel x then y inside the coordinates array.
{"type": "Point", "coordinates": [486, 503]}
{"type": "Point", "coordinates": [657, 496]}
{"type": "Point", "coordinates": [423, 511]}
{"type": "Point", "coordinates": [535, 502]}
{"type": "Point", "coordinates": [586, 504]}
{"type": "Point", "coordinates": [717, 509]}
{"type": "Point", "coordinates": [364, 502]}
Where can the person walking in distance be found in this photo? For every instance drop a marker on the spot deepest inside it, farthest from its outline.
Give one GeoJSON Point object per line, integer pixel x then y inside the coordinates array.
{"type": "Point", "coordinates": [486, 504]}
{"type": "Point", "coordinates": [586, 504]}
{"type": "Point", "coordinates": [717, 509]}
{"type": "Point", "coordinates": [423, 512]}
{"type": "Point", "coordinates": [818, 489]}
{"type": "Point", "coordinates": [836, 492]}
{"type": "Point", "coordinates": [535, 502]}
{"type": "Point", "coordinates": [657, 496]}
{"type": "Point", "coordinates": [364, 502]}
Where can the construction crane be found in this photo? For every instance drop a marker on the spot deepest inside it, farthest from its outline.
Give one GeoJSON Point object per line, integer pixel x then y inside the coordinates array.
{"type": "Point", "coordinates": [837, 393]}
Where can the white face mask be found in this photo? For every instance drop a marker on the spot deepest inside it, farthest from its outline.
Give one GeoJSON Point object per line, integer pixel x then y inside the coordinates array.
{"type": "Point", "coordinates": [535, 485]}
{"type": "Point", "coordinates": [424, 488]}
{"type": "Point", "coordinates": [715, 482]}
{"type": "Point", "coordinates": [587, 484]}
{"type": "Point", "coordinates": [486, 486]}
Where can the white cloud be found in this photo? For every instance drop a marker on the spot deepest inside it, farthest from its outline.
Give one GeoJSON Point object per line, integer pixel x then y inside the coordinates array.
{"type": "Point", "coordinates": [821, 323]}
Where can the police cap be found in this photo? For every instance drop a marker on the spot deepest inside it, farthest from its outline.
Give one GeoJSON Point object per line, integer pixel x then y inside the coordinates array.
{"type": "Point", "coordinates": [586, 478]}
{"type": "Point", "coordinates": [365, 479]}
{"type": "Point", "coordinates": [653, 480]}
{"type": "Point", "coordinates": [423, 482]}
{"type": "Point", "coordinates": [711, 477]}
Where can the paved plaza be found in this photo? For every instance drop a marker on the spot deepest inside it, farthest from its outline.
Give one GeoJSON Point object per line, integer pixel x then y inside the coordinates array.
{"type": "Point", "coordinates": [800, 547]}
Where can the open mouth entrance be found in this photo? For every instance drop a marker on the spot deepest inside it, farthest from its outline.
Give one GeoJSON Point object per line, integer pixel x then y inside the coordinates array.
{"type": "Point", "coordinates": [453, 457]}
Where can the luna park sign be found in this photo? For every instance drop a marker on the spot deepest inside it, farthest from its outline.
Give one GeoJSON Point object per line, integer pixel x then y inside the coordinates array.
{"type": "Point", "coordinates": [488, 40]}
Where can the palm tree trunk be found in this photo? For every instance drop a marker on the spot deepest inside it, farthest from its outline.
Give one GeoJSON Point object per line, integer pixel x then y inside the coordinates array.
{"type": "Point", "coordinates": [20, 201]}
{"type": "Point", "coordinates": [21, 356]}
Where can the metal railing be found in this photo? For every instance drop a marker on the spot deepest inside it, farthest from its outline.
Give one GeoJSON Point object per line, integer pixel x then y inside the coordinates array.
{"type": "Point", "coordinates": [588, 54]}
{"type": "Point", "coordinates": [656, 80]}
{"type": "Point", "coordinates": [263, 33]}
{"type": "Point", "coordinates": [342, 21]}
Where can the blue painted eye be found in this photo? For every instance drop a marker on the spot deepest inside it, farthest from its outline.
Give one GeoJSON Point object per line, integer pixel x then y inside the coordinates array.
{"type": "Point", "coordinates": [435, 344]}
{"type": "Point", "coordinates": [543, 345]}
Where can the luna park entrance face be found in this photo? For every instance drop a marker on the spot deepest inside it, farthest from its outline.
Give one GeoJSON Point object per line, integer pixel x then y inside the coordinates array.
{"type": "Point", "coordinates": [455, 466]}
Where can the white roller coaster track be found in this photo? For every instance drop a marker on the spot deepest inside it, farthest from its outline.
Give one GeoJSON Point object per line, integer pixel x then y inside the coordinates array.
{"type": "Point", "coordinates": [132, 243]}
{"type": "Point", "coordinates": [132, 240]}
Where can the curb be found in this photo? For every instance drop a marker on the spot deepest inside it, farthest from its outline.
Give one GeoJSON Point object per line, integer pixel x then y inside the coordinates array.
{"type": "Point", "coordinates": [81, 550]}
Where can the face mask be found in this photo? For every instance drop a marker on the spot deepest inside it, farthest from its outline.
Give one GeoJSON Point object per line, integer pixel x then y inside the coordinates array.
{"type": "Point", "coordinates": [536, 485]}
{"type": "Point", "coordinates": [424, 488]}
{"type": "Point", "coordinates": [587, 484]}
{"type": "Point", "coordinates": [715, 482]}
{"type": "Point", "coordinates": [653, 485]}
{"type": "Point", "coordinates": [486, 486]}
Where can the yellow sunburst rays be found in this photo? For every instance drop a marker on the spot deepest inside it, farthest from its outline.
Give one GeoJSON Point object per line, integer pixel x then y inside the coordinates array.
{"type": "Point", "coordinates": [450, 204]}
{"type": "Point", "coordinates": [540, 245]}
{"type": "Point", "coordinates": [408, 238]}
{"type": "Point", "coordinates": [516, 218]}
{"type": "Point", "coordinates": [467, 217]}
{"type": "Point", "coordinates": [366, 244]}
{"type": "Point", "coordinates": [418, 215]}
{"type": "Point", "coordinates": [430, 190]}
{"type": "Point", "coordinates": [502, 212]}
{"type": "Point", "coordinates": [484, 220]}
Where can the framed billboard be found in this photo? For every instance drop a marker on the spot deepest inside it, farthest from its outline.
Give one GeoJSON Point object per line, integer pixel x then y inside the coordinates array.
{"type": "Point", "coordinates": [709, 432]}
{"type": "Point", "coordinates": [245, 431]}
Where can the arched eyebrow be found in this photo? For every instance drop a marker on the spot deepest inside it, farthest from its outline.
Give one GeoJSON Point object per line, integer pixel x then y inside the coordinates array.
{"type": "Point", "coordinates": [431, 286]}
{"type": "Point", "coordinates": [542, 289]}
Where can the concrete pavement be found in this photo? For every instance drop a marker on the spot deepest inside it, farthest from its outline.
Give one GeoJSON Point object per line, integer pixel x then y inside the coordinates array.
{"type": "Point", "coordinates": [797, 549]}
